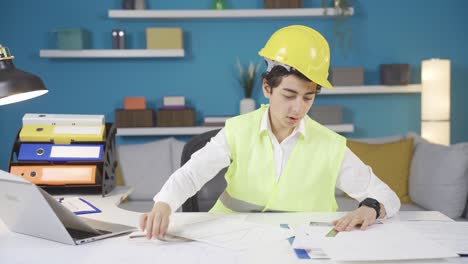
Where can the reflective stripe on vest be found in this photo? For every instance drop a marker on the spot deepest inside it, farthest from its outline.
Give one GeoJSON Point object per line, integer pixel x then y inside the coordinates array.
{"type": "Point", "coordinates": [241, 206]}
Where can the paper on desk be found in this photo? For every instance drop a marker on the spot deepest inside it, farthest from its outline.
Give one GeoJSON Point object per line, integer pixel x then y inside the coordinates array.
{"type": "Point", "coordinates": [78, 205]}
{"type": "Point", "coordinates": [391, 241]}
{"type": "Point", "coordinates": [453, 235]}
{"type": "Point", "coordinates": [232, 234]}
{"type": "Point", "coordinates": [310, 237]}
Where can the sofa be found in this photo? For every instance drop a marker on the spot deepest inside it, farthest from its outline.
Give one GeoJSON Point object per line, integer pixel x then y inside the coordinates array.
{"type": "Point", "coordinates": [425, 176]}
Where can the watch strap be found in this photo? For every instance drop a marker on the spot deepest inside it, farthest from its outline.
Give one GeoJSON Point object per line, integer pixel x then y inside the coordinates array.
{"type": "Point", "coordinates": [372, 203]}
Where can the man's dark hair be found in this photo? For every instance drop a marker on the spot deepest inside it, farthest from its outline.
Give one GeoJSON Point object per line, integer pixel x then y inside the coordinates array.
{"type": "Point", "coordinates": [274, 77]}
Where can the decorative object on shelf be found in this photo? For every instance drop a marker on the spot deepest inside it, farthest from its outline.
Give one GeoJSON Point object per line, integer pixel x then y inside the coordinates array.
{"type": "Point", "coordinates": [247, 79]}
{"type": "Point", "coordinates": [164, 38]}
{"type": "Point", "coordinates": [219, 5]}
{"type": "Point", "coordinates": [175, 118]}
{"type": "Point", "coordinates": [435, 101]}
{"type": "Point", "coordinates": [282, 3]}
{"type": "Point", "coordinates": [134, 113]}
{"type": "Point", "coordinates": [128, 4]}
{"type": "Point", "coordinates": [246, 105]}
{"type": "Point", "coordinates": [173, 102]}
{"type": "Point", "coordinates": [347, 76]}
{"type": "Point", "coordinates": [140, 4]}
{"type": "Point", "coordinates": [394, 74]}
{"type": "Point", "coordinates": [118, 39]}
{"type": "Point", "coordinates": [342, 30]}
{"type": "Point", "coordinates": [73, 39]}
{"type": "Point", "coordinates": [15, 84]}
{"type": "Point", "coordinates": [134, 118]}
{"type": "Point", "coordinates": [327, 114]}
{"type": "Point", "coordinates": [134, 102]}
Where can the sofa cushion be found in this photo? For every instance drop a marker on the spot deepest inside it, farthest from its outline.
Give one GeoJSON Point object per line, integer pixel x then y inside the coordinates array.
{"type": "Point", "coordinates": [389, 161]}
{"type": "Point", "coordinates": [145, 167]}
{"type": "Point", "coordinates": [439, 177]}
{"type": "Point", "coordinates": [378, 140]}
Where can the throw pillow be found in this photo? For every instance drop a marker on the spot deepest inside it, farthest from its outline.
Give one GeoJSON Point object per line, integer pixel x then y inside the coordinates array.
{"type": "Point", "coordinates": [439, 177]}
{"type": "Point", "coordinates": [145, 167]}
{"type": "Point", "coordinates": [389, 161]}
{"type": "Point", "coordinates": [378, 140]}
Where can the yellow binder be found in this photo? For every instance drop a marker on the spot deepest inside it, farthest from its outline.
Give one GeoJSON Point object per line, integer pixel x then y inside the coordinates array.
{"type": "Point", "coordinates": [62, 134]}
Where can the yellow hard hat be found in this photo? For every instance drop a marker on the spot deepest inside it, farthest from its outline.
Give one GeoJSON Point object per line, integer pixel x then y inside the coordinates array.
{"type": "Point", "coordinates": [302, 48]}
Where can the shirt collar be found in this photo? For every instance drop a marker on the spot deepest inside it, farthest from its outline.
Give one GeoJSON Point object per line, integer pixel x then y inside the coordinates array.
{"type": "Point", "coordinates": [266, 126]}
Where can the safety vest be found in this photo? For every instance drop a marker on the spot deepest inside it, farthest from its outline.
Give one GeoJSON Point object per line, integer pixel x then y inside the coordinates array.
{"type": "Point", "coordinates": [307, 183]}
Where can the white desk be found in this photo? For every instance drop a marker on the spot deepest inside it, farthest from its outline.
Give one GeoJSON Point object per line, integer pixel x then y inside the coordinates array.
{"type": "Point", "coordinates": [16, 248]}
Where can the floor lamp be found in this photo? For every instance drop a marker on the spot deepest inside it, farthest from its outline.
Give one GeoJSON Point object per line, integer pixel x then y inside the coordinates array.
{"type": "Point", "coordinates": [17, 85]}
{"type": "Point", "coordinates": [435, 101]}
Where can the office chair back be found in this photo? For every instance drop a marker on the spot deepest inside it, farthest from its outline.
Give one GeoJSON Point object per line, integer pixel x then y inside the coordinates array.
{"type": "Point", "coordinates": [210, 192]}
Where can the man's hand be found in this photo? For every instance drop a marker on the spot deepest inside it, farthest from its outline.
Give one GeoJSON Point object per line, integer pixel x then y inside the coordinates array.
{"type": "Point", "coordinates": [364, 216]}
{"type": "Point", "coordinates": [155, 223]}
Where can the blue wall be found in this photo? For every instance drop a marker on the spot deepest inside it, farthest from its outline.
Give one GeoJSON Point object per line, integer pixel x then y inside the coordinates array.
{"type": "Point", "coordinates": [398, 31]}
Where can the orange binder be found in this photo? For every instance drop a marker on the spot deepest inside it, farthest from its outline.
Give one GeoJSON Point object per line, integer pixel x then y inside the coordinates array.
{"type": "Point", "coordinates": [57, 174]}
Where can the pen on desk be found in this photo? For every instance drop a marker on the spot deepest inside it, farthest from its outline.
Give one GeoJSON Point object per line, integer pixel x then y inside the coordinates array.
{"type": "Point", "coordinates": [332, 233]}
{"type": "Point", "coordinates": [320, 224]}
{"type": "Point", "coordinates": [136, 235]}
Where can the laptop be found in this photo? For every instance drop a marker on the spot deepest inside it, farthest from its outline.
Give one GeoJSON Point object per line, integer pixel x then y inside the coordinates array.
{"type": "Point", "coordinates": [27, 209]}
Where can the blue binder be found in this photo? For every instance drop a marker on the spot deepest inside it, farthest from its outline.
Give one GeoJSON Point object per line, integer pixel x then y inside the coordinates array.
{"type": "Point", "coordinates": [59, 152]}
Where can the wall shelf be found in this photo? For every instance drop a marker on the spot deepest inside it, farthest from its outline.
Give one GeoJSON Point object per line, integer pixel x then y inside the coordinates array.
{"type": "Point", "coordinates": [372, 89]}
{"type": "Point", "coordinates": [228, 13]}
{"type": "Point", "coordinates": [183, 131]}
{"type": "Point", "coordinates": [112, 53]}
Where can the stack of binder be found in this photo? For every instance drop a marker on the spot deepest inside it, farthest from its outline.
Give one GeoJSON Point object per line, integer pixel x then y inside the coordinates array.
{"type": "Point", "coordinates": [65, 152]}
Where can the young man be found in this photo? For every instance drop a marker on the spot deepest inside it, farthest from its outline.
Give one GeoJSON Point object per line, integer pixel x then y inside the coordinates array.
{"type": "Point", "coordinates": [279, 159]}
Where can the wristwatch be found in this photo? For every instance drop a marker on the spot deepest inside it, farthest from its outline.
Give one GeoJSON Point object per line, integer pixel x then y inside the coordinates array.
{"type": "Point", "coordinates": [372, 203]}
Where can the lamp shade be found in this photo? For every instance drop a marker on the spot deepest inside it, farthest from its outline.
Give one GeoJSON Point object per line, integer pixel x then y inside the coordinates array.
{"type": "Point", "coordinates": [435, 96]}
{"type": "Point", "coordinates": [435, 101]}
{"type": "Point", "coordinates": [436, 132]}
{"type": "Point", "coordinates": [17, 85]}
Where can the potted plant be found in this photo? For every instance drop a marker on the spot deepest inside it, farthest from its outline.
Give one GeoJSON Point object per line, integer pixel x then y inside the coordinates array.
{"type": "Point", "coordinates": [247, 80]}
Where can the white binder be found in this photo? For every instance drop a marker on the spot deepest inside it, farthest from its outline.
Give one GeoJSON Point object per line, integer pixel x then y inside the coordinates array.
{"type": "Point", "coordinates": [67, 120]}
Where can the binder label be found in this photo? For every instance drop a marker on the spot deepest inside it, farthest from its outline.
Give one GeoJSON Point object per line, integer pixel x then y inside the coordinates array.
{"type": "Point", "coordinates": [78, 130]}
{"type": "Point", "coordinates": [75, 152]}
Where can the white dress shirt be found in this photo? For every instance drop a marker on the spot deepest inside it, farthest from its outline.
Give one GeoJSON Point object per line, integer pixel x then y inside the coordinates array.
{"type": "Point", "coordinates": [355, 178]}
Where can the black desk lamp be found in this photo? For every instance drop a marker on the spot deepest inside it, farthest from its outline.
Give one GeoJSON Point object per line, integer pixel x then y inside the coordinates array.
{"type": "Point", "coordinates": [17, 85]}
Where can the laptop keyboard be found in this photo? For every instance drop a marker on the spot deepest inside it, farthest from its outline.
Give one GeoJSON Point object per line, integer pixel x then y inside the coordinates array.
{"type": "Point", "coordinates": [79, 234]}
